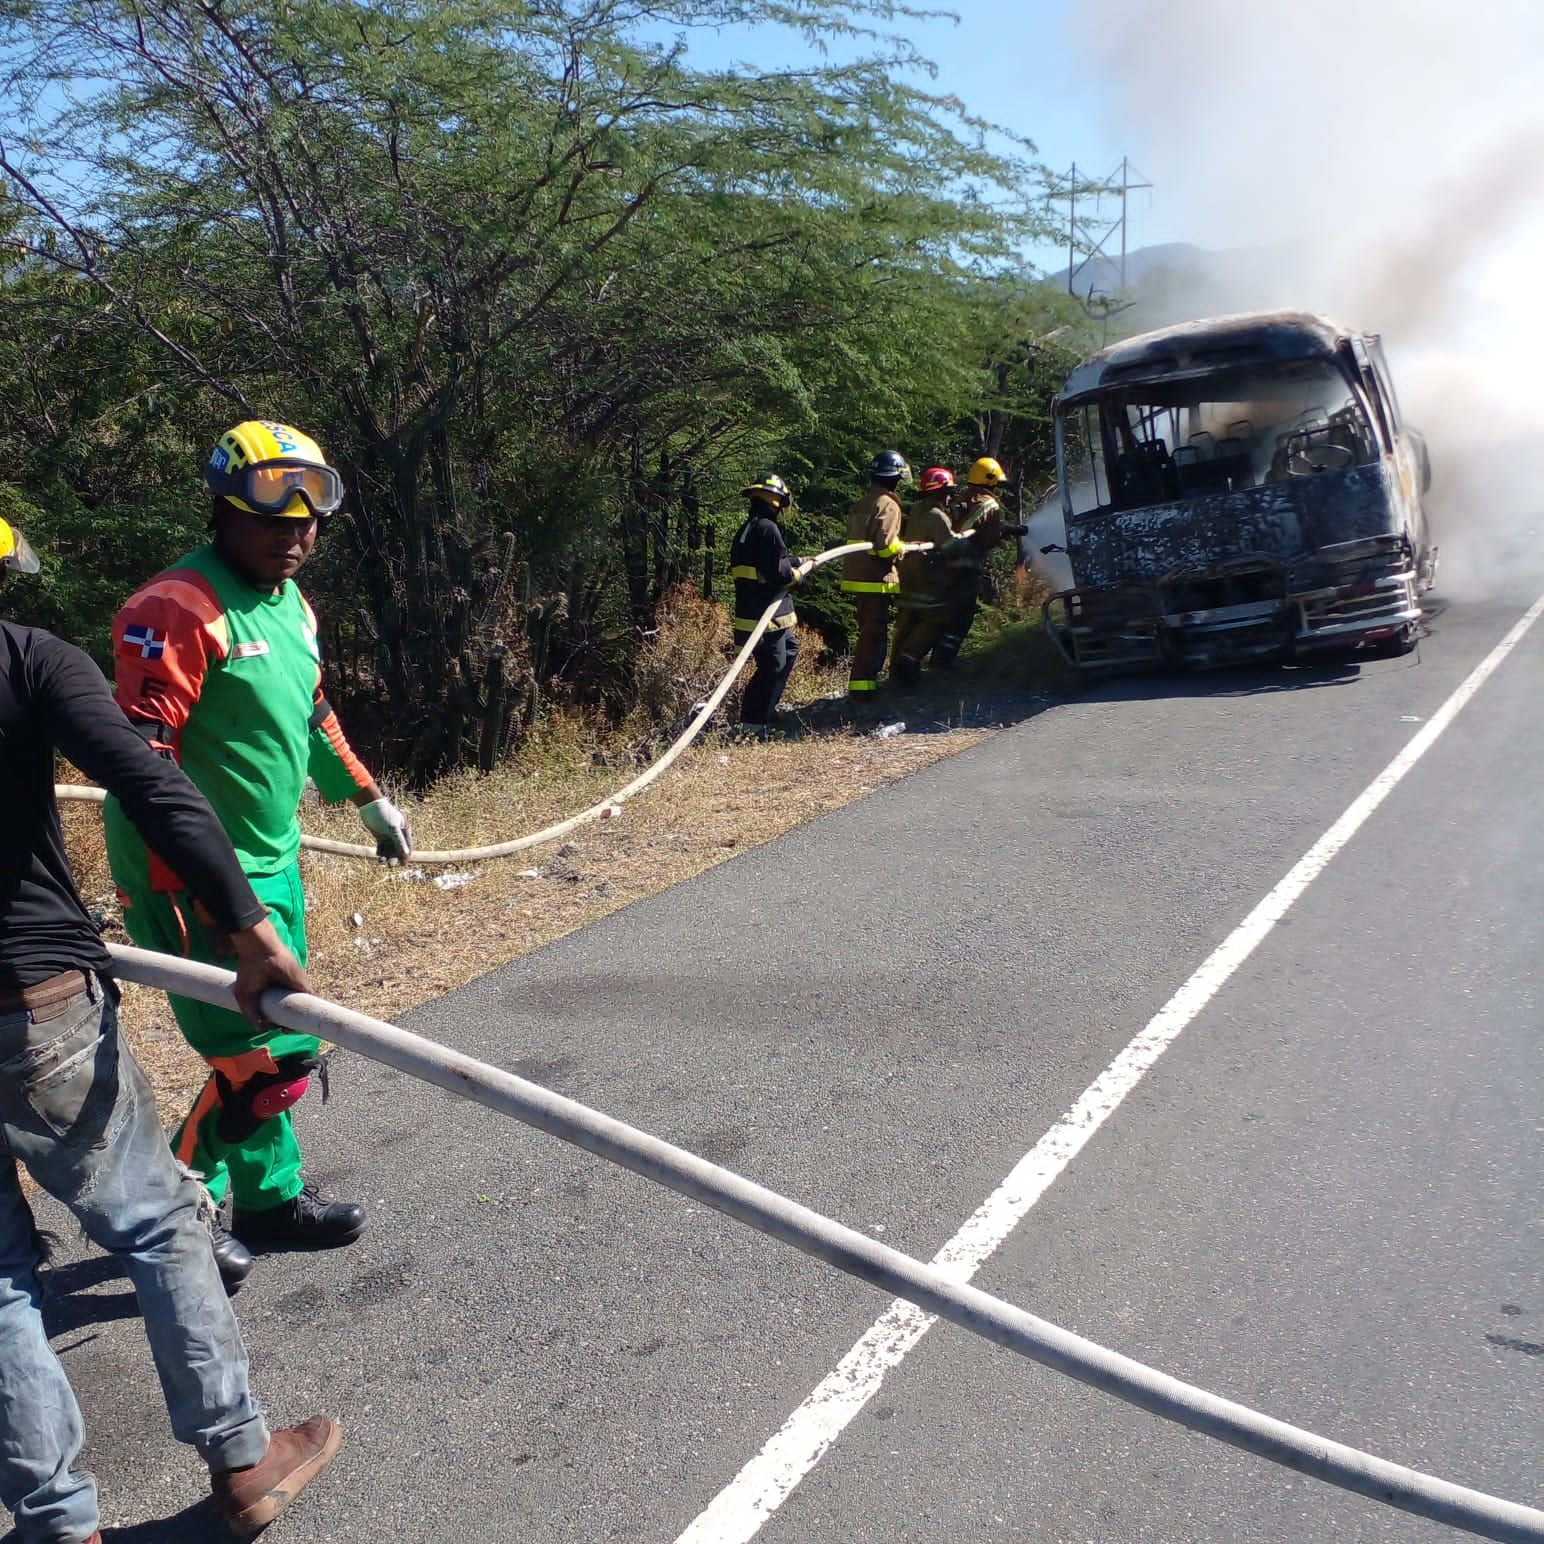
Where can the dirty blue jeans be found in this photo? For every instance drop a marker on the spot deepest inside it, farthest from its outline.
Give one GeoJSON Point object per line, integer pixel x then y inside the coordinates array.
{"type": "Point", "coordinates": [76, 1110]}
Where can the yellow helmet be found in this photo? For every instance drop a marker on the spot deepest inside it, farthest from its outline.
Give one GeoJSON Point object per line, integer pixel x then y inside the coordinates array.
{"type": "Point", "coordinates": [15, 553]}
{"type": "Point", "coordinates": [271, 469]}
{"type": "Point", "coordinates": [985, 473]}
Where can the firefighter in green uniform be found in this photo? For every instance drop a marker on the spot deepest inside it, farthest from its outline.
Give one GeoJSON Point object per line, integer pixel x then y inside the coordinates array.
{"type": "Point", "coordinates": [870, 577]}
{"type": "Point", "coordinates": [218, 667]}
{"type": "Point", "coordinates": [921, 605]}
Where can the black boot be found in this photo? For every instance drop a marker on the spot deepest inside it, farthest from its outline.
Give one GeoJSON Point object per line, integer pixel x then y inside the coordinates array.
{"type": "Point", "coordinates": [307, 1222]}
{"type": "Point", "coordinates": [230, 1254]}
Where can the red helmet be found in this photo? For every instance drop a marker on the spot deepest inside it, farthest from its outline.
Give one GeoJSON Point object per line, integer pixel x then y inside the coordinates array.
{"type": "Point", "coordinates": [937, 477]}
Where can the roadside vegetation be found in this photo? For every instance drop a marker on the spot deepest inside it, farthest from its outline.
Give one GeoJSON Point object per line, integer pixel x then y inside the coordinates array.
{"type": "Point", "coordinates": [548, 293]}
{"type": "Point", "coordinates": [384, 940]}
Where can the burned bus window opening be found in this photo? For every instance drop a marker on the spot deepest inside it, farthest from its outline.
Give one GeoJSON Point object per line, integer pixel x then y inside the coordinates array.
{"type": "Point", "coordinates": [1169, 441]}
{"type": "Point", "coordinates": [1238, 488]}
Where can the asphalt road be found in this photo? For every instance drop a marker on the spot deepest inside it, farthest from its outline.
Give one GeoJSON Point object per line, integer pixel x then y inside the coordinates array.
{"type": "Point", "coordinates": [1324, 1200]}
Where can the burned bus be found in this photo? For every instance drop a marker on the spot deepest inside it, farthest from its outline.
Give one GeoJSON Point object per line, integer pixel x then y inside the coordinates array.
{"type": "Point", "coordinates": [1238, 489]}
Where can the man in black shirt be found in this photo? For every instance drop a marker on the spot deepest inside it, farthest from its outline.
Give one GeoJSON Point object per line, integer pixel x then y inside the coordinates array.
{"type": "Point", "coordinates": [75, 1108]}
{"type": "Point", "coordinates": [762, 570]}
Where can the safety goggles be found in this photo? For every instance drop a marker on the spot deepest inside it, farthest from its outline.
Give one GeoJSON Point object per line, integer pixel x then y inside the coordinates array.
{"type": "Point", "coordinates": [15, 551]}
{"type": "Point", "coordinates": [269, 486]}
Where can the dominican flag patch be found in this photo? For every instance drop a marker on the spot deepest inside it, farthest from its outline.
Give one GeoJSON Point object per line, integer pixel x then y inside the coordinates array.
{"type": "Point", "coordinates": [150, 643]}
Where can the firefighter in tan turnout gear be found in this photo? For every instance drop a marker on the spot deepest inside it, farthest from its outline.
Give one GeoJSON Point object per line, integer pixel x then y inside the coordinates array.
{"type": "Point", "coordinates": [871, 577]}
{"type": "Point", "coordinates": [921, 605]}
{"type": "Point", "coordinates": [982, 517]}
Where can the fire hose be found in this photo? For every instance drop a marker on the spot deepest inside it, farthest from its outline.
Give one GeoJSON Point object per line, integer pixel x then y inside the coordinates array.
{"type": "Point", "coordinates": [606, 807]}
{"type": "Point", "coordinates": [937, 1290]}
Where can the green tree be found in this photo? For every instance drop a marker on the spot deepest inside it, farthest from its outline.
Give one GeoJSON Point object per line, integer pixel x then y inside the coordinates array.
{"type": "Point", "coordinates": [545, 291]}
{"type": "Point", "coordinates": [97, 466]}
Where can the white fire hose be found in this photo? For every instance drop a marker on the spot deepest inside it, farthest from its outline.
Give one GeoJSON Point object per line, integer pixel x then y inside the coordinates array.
{"type": "Point", "coordinates": [936, 1291]}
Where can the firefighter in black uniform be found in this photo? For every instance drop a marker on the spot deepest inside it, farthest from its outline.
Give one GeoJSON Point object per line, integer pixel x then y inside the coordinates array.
{"type": "Point", "coordinates": [762, 571]}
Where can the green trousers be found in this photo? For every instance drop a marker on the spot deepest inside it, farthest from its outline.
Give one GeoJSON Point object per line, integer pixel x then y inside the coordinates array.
{"type": "Point", "coordinates": [262, 1170]}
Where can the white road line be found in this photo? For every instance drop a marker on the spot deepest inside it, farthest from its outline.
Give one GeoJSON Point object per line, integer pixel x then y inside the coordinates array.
{"type": "Point", "coordinates": [738, 1511]}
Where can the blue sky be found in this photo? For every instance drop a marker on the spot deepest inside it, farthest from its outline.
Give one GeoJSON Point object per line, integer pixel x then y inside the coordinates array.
{"type": "Point", "coordinates": [1026, 64]}
{"type": "Point", "coordinates": [1368, 157]}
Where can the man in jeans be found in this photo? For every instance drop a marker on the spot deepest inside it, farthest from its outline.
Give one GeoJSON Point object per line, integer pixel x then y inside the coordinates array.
{"type": "Point", "coordinates": [75, 1108]}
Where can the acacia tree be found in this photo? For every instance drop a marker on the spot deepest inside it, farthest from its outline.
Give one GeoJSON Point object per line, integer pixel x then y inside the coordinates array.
{"type": "Point", "coordinates": [541, 288]}
{"type": "Point", "coordinates": [95, 465]}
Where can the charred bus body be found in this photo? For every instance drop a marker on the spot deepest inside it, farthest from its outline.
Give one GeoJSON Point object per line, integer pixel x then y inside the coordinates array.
{"type": "Point", "coordinates": [1238, 489]}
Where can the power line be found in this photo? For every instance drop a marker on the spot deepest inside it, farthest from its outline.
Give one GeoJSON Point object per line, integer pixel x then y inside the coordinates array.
{"type": "Point", "coordinates": [1090, 230]}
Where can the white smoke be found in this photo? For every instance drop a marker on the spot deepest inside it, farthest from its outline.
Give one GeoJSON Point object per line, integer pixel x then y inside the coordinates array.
{"type": "Point", "coordinates": [1381, 162]}
{"type": "Point", "coordinates": [1047, 527]}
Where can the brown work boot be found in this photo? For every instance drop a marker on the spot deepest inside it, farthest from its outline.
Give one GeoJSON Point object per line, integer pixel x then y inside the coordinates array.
{"type": "Point", "coordinates": [250, 1499]}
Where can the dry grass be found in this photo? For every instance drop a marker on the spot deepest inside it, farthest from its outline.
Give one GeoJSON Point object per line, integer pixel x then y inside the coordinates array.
{"type": "Point", "coordinates": [384, 940]}
{"type": "Point", "coordinates": [682, 661]}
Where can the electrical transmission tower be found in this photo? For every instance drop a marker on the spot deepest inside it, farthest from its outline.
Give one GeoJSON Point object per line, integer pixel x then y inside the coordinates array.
{"type": "Point", "coordinates": [1090, 230]}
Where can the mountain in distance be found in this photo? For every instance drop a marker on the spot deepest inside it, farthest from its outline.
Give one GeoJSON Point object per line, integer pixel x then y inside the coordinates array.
{"type": "Point", "coordinates": [1143, 266]}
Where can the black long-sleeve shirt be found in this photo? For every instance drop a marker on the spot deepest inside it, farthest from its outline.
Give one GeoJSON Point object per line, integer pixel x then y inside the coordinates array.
{"type": "Point", "coordinates": [760, 566]}
{"type": "Point", "coordinates": [51, 695]}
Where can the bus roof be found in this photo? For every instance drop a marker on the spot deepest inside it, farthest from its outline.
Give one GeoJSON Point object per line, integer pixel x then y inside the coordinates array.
{"type": "Point", "coordinates": [1201, 348]}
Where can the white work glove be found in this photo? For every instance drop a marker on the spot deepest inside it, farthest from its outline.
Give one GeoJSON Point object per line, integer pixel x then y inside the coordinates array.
{"type": "Point", "coordinates": [388, 825]}
{"type": "Point", "coordinates": [801, 568]}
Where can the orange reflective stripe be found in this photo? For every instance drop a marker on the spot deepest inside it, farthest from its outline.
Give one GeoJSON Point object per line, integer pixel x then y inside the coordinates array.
{"type": "Point", "coordinates": [187, 1140]}
{"type": "Point", "coordinates": [334, 732]}
{"type": "Point", "coordinates": [246, 1065]}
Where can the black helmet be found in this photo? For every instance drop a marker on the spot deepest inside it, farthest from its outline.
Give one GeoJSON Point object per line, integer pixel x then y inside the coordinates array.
{"type": "Point", "coordinates": [888, 463]}
{"type": "Point", "coordinates": [771, 489]}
